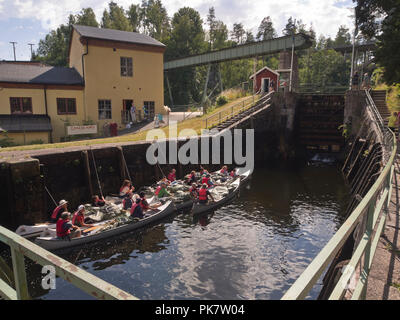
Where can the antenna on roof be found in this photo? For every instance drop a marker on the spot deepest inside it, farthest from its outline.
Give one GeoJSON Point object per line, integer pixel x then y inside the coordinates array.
{"type": "Point", "coordinates": [13, 44]}
{"type": "Point", "coordinates": [31, 45]}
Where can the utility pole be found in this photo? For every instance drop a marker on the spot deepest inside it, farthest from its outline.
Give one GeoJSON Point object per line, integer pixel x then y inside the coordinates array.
{"type": "Point", "coordinates": [291, 62]}
{"type": "Point", "coordinates": [352, 53]}
{"type": "Point", "coordinates": [13, 44]}
{"type": "Point", "coordinates": [31, 45]}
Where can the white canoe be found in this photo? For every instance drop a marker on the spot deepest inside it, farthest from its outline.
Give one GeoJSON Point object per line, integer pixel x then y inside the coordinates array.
{"type": "Point", "coordinates": [200, 208]}
{"type": "Point", "coordinates": [53, 243]}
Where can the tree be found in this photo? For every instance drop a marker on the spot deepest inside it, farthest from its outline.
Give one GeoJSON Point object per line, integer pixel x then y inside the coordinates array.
{"type": "Point", "coordinates": [134, 16]}
{"type": "Point", "coordinates": [211, 21]}
{"type": "Point", "coordinates": [187, 37]}
{"type": "Point", "coordinates": [290, 27]}
{"type": "Point", "coordinates": [115, 18]}
{"type": "Point", "coordinates": [343, 37]}
{"type": "Point", "coordinates": [154, 19]}
{"type": "Point", "coordinates": [53, 49]}
{"type": "Point", "coordinates": [249, 36]}
{"type": "Point", "coordinates": [380, 19]}
{"type": "Point", "coordinates": [86, 17]}
{"type": "Point", "coordinates": [238, 33]}
{"type": "Point", "coordinates": [266, 30]}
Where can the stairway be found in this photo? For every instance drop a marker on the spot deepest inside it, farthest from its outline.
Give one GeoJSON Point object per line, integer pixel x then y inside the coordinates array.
{"type": "Point", "coordinates": [261, 103]}
{"type": "Point", "coordinates": [379, 97]}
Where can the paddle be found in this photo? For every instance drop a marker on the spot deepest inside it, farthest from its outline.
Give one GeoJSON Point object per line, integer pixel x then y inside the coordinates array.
{"type": "Point", "coordinates": [90, 229]}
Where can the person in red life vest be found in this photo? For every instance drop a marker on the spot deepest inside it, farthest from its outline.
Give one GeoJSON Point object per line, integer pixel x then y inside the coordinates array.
{"type": "Point", "coordinates": [207, 180]}
{"type": "Point", "coordinates": [97, 202]}
{"type": "Point", "coordinates": [224, 170]}
{"type": "Point", "coordinates": [204, 194]}
{"type": "Point", "coordinates": [78, 218]}
{"type": "Point", "coordinates": [143, 202]}
{"type": "Point", "coordinates": [233, 173]}
{"type": "Point", "coordinates": [136, 210]}
{"type": "Point", "coordinates": [126, 188]}
{"type": "Point", "coordinates": [62, 207]}
{"type": "Point", "coordinates": [172, 175]}
{"type": "Point", "coordinates": [202, 171]}
{"type": "Point", "coordinates": [191, 178]}
{"type": "Point", "coordinates": [128, 201]}
{"type": "Point", "coordinates": [64, 227]}
{"type": "Point", "coordinates": [194, 191]}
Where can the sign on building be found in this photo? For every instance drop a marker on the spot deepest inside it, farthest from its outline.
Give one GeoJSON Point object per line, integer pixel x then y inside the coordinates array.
{"type": "Point", "coordinates": [89, 129]}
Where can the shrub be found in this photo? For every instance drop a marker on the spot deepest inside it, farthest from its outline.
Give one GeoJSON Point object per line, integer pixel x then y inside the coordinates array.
{"type": "Point", "coordinates": [222, 100]}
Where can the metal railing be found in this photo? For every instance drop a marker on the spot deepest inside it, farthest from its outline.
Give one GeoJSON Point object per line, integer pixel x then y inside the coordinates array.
{"type": "Point", "coordinates": [21, 248]}
{"type": "Point", "coordinates": [231, 111]}
{"type": "Point", "coordinates": [329, 88]}
{"type": "Point", "coordinates": [371, 212]}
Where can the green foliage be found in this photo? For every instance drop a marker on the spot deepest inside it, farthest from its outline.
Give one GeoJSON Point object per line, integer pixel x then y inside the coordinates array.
{"type": "Point", "coordinates": [266, 30]}
{"type": "Point", "coordinates": [381, 19]}
{"type": "Point", "coordinates": [6, 141]}
{"type": "Point", "coordinates": [221, 100]}
{"type": "Point", "coordinates": [345, 130]}
{"type": "Point", "coordinates": [37, 141]}
{"type": "Point", "coordinates": [115, 18]}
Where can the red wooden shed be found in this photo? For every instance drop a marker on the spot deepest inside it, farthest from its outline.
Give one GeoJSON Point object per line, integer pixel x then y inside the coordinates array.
{"type": "Point", "coordinates": [264, 77]}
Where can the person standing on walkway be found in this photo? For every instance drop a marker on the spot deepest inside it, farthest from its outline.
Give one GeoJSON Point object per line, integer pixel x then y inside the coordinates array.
{"type": "Point", "coordinates": [133, 114]}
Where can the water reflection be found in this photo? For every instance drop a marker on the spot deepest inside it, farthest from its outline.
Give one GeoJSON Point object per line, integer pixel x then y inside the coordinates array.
{"type": "Point", "coordinates": [252, 248]}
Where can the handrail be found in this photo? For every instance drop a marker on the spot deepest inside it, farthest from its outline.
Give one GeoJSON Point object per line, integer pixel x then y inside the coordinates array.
{"type": "Point", "coordinates": [373, 207]}
{"type": "Point", "coordinates": [231, 111]}
{"type": "Point", "coordinates": [21, 247]}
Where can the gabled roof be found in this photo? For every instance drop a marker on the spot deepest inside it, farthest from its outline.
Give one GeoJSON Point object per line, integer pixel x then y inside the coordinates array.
{"type": "Point", "coordinates": [116, 35]}
{"type": "Point", "coordinates": [38, 74]}
{"type": "Point", "coordinates": [262, 69]}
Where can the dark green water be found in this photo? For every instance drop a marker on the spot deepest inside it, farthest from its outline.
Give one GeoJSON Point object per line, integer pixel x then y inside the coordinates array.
{"type": "Point", "coordinates": [253, 248]}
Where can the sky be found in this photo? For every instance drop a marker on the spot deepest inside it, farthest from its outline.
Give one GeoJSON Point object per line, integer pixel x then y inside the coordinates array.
{"type": "Point", "coordinates": [28, 21]}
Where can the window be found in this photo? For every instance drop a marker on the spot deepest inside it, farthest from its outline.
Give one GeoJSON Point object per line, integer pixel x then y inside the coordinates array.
{"type": "Point", "coordinates": [66, 106]}
{"type": "Point", "coordinates": [149, 109]}
{"type": "Point", "coordinates": [104, 109]}
{"type": "Point", "coordinates": [21, 105]}
{"type": "Point", "coordinates": [126, 67]}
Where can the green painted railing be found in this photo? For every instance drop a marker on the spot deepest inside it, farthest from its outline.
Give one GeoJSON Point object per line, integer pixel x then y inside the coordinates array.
{"type": "Point", "coordinates": [374, 209]}
{"type": "Point", "coordinates": [21, 248]}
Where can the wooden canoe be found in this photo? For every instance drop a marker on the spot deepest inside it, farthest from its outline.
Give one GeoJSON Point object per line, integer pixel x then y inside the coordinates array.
{"type": "Point", "coordinates": [53, 243]}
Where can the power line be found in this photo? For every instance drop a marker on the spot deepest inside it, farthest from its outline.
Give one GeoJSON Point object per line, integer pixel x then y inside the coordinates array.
{"type": "Point", "coordinates": [13, 44]}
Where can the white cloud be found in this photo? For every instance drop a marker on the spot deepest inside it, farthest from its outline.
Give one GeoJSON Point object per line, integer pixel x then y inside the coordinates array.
{"type": "Point", "coordinates": [325, 15]}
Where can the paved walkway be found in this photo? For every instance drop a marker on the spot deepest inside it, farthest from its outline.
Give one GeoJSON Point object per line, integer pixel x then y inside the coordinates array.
{"type": "Point", "coordinates": [384, 277]}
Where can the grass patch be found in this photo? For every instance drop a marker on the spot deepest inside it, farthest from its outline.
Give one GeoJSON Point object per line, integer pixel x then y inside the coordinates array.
{"type": "Point", "coordinates": [395, 285]}
{"type": "Point", "coordinates": [392, 92]}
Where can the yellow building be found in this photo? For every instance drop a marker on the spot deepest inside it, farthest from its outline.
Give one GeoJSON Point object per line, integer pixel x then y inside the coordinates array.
{"type": "Point", "coordinates": [109, 72]}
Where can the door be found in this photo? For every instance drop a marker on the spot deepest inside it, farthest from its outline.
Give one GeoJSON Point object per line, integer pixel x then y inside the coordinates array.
{"type": "Point", "coordinates": [126, 108]}
{"type": "Point", "coordinates": [265, 86]}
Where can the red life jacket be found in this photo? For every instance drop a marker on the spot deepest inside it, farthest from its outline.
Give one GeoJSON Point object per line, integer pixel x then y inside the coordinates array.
{"type": "Point", "coordinates": [56, 212]}
{"type": "Point", "coordinates": [157, 190]}
{"type": "Point", "coordinates": [232, 173]}
{"type": "Point", "coordinates": [77, 219]}
{"type": "Point", "coordinates": [60, 230]}
{"type": "Point", "coordinates": [133, 207]}
{"type": "Point", "coordinates": [205, 180]}
{"type": "Point", "coordinates": [223, 171]}
{"type": "Point", "coordinates": [144, 206]}
{"type": "Point", "coordinates": [171, 177]}
{"type": "Point", "coordinates": [203, 194]}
